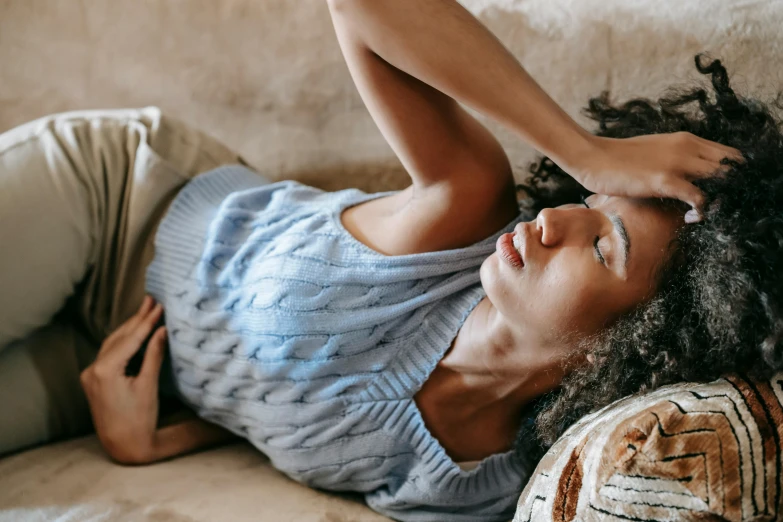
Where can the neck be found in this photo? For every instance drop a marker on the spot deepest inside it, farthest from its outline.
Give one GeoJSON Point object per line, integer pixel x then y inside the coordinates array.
{"type": "Point", "coordinates": [495, 368]}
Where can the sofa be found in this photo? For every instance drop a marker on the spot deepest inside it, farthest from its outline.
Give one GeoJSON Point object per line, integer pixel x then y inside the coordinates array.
{"type": "Point", "coordinates": [267, 78]}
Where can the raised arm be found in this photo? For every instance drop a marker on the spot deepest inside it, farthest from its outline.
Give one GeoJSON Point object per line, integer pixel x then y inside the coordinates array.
{"type": "Point", "coordinates": [444, 46]}
{"type": "Point", "coordinates": [441, 44]}
{"type": "Point", "coordinates": [409, 61]}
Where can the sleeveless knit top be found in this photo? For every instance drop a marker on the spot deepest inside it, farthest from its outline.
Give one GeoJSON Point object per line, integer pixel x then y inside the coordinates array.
{"type": "Point", "coordinates": [286, 330]}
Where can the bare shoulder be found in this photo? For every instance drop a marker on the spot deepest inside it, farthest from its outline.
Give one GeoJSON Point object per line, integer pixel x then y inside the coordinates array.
{"type": "Point", "coordinates": [434, 218]}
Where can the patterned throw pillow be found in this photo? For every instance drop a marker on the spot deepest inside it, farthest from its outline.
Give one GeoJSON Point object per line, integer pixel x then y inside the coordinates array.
{"type": "Point", "coordinates": [706, 452]}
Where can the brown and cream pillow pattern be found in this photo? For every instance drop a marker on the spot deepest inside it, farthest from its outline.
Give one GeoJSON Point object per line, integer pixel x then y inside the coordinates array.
{"type": "Point", "coordinates": [706, 452]}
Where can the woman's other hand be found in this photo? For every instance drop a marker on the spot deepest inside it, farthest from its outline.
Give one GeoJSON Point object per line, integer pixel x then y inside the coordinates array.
{"type": "Point", "coordinates": [125, 408]}
{"type": "Point", "coordinates": [655, 165]}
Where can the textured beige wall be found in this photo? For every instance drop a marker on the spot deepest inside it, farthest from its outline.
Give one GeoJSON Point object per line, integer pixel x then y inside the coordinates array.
{"type": "Point", "coordinates": [267, 77]}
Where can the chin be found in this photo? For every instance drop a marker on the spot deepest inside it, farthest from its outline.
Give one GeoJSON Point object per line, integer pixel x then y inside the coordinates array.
{"type": "Point", "coordinates": [491, 279]}
{"type": "Point", "coordinates": [488, 270]}
{"type": "Point", "coordinates": [500, 287]}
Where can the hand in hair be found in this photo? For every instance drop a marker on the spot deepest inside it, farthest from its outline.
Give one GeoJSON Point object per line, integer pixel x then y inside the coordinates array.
{"type": "Point", "coordinates": [655, 165]}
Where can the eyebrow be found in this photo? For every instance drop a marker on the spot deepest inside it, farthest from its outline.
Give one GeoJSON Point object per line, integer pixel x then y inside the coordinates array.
{"type": "Point", "coordinates": [625, 241]}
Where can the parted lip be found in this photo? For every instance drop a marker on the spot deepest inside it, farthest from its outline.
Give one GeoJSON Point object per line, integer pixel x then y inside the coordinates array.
{"type": "Point", "coordinates": [520, 240]}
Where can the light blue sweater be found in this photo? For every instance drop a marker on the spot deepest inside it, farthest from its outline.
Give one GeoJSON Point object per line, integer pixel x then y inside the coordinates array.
{"type": "Point", "coordinates": [288, 331]}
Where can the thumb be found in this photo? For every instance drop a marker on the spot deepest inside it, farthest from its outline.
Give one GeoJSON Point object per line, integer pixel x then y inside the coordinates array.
{"type": "Point", "coordinates": [153, 357]}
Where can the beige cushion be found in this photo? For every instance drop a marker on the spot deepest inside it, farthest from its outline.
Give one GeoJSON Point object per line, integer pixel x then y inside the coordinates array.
{"type": "Point", "coordinates": [682, 452]}
{"type": "Point", "coordinates": [74, 481]}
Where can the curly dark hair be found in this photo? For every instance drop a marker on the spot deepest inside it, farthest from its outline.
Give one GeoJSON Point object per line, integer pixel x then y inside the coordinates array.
{"type": "Point", "coordinates": [718, 308]}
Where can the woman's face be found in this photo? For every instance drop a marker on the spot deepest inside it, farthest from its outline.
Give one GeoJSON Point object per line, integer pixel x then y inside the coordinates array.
{"type": "Point", "coordinates": [579, 268]}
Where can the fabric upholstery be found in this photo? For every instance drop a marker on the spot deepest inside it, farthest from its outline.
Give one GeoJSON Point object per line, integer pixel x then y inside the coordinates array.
{"type": "Point", "coordinates": [266, 77]}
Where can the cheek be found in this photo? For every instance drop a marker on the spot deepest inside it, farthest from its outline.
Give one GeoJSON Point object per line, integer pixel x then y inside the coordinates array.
{"type": "Point", "coordinates": [570, 295]}
{"type": "Point", "coordinates": [566, 296]}
{"type": "Point", "coordinates": [557, 297]}
{"type": "Point", "coordinates": [578, 297]}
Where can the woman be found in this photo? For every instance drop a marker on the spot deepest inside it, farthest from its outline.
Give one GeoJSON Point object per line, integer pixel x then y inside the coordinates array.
{"type": "Point", "coordinates": [402, 344]}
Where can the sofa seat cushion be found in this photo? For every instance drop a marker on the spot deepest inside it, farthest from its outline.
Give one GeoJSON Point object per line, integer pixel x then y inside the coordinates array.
{"type": "Point", "coordinates": [74, 481]}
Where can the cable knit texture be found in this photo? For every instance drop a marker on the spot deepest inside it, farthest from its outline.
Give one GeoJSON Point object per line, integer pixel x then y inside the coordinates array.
{"type": "Point", "coordinates": [288, 331]}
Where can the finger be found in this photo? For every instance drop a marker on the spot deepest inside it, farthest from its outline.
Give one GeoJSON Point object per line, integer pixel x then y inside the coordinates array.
{"type": "Point", "coordinates": [698, 168]}
{"type": "Point", "coordinates": [693, 216]}
{"type": "Point", "coordinates": [125, 347]}
{"type": "Point", "coordinates": [716, 151]}
{"type": "Point", "coordinates": [147, 324]}
{"type": "Point", "coordinates": [708, 152]}
{"type": "Point", "coordinates": [147, 305]}
{"type": "Point", "coordinates": [118, 337]}
{"type": "Point", "coordinates": [678, 188]}
{"type": "Point", "coordinates": [153, 357]}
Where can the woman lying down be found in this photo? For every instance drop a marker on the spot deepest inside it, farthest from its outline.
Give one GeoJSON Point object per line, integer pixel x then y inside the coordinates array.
{"type": "Point", "coordinates": [424, 347]}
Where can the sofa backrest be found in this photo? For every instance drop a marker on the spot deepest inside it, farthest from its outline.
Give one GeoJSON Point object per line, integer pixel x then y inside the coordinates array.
{"type": "Point", "coordinates": [267, 78]}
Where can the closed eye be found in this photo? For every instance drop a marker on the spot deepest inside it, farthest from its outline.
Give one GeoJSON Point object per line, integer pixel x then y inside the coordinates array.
{"type": "Point", "coordinates": [598, 251]}
{"type": "Point", "coordinates": [595, 241]}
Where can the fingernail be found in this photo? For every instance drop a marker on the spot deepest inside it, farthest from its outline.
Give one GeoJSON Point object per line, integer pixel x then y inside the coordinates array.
{"type": "Point", "coordinates": [692, 216]}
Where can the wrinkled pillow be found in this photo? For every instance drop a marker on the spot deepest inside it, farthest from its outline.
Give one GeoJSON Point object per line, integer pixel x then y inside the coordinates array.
{"type": "Point", "coordinates": [684, 452]}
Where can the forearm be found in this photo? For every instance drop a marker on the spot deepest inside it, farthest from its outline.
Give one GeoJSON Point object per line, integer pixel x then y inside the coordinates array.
{"type": "Point", "coordinates": [442, 44]}
{"type": "Point", "coordinates": [179, 437]}
{"type": "Point", "coordinates": [187, 436]}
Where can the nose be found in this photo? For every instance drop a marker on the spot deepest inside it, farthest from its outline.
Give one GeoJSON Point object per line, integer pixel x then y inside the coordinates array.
{"type": "Point", "coordinates": [555, 224]}
{"type": "Point", "coordinates": [546, 225]}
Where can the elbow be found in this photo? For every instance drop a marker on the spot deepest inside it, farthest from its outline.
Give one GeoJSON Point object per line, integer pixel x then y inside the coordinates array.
{"type": "Point", "coordinates": [130, 459]}
{"type": "Point", "coordinates": [336, 5]}
{"type": "Point", "coordinates": [128, 455]}
{"type": "Point", "coordinates": [341, 6]}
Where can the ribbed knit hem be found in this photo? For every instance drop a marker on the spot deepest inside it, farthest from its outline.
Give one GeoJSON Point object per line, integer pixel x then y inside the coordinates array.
{"type": "Point", "coordinates": [180, 239]}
